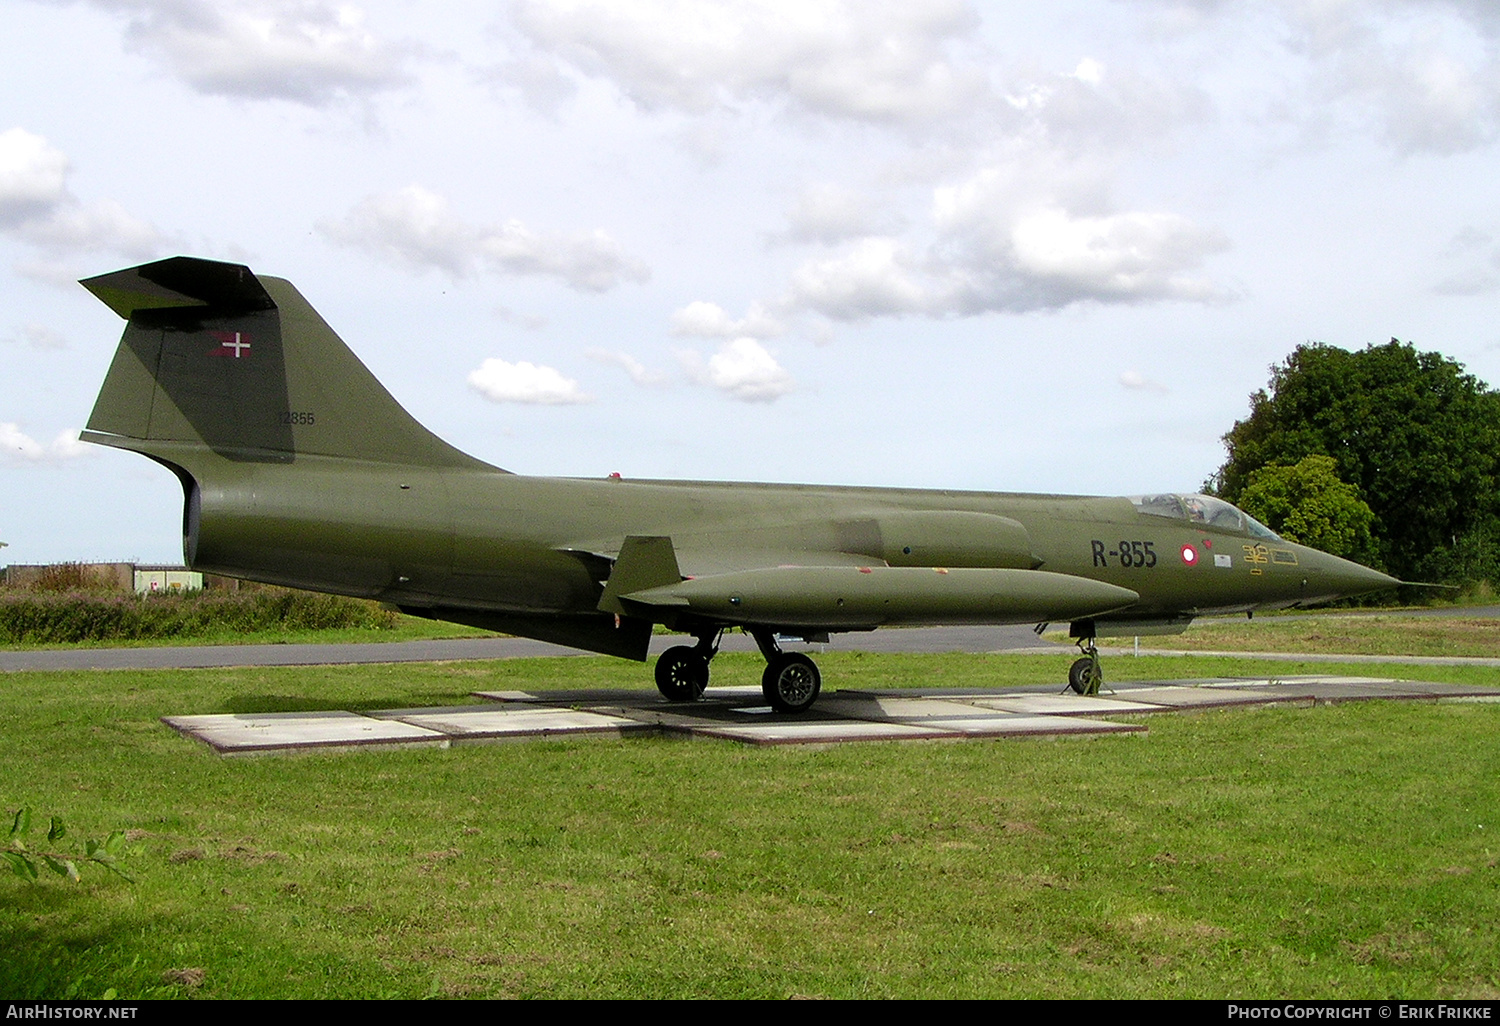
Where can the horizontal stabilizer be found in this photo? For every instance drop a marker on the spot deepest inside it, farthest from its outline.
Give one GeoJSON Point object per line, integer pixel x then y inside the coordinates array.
{"type": "Point", "coordinates": [180, 282]}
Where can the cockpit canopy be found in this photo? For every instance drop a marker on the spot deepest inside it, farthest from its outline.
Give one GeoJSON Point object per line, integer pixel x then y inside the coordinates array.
{"type": "Point", "coordinates": [1205, 510]}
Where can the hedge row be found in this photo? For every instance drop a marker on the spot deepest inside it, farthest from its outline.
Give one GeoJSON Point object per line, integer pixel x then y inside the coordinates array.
{"type": "Point", "coordinates": [43, 619]}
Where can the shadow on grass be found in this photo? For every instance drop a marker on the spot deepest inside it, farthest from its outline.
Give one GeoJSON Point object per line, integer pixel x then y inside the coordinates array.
{"type": "Point", "coordinates": [74, 958]}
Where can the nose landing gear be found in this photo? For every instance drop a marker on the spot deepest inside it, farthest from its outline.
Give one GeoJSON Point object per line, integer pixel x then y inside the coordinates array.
{"type": "Point", "coordinates": [1085, 676]}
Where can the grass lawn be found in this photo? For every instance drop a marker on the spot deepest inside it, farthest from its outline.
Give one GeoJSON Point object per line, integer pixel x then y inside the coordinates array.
{"type": "Point", "coordinates": [1342, 634]}
{"type": "Point", "coordinates": [1337, 851]}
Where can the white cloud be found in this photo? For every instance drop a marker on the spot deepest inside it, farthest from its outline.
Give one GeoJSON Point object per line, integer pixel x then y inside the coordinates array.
{"type": "Point", "coordinates": [1090, 71]}
{"type": "Point", "coordinates": [1468, 283]}
{"type": "Point", "coordinates": [415, 227]}
{"type": "Point", "coordinates": [1126, 257]}
{"type": "Point", "coordinates": [531, 322]}
{"type": "Point", "coordinates": [638, 372]}
{"type": "Point", "coordinates": [1044, 259]}
{"type": "Point", "coordinates": [1467, 240]}
{"type": "Point", "coordinates": [702, 319]}
{"type": "Point", "coordinates": [305, 51]}
{"type": "Point", "coordinates": [831, 214]}
{"type": "Point", "coordinates": [874, 61]}
{"type": "Point", "coordinates": [39, 336]}
{"type": "Point", "coordinates": [1428, 97]}
{"type": "Point", "coordinates": [36, 206]}
{"type": "Point", "coordinates": [16, 445]}
{"type": "Point", "coordinates": [502, 382]}
{"type": "Point", "coordinates": [538, 80]}
{"type": "Point", "coordinates": [33, 176]}
{"type": "Point", "coordinates": [58, 274]}
{"type": "Point", "coordinates": [875, 277]}
{"type": "Point", "coordinates": [100, 226]}
{"type": "Point", "coordinates": [1468, 246]}
{"type": "Point", "coordinates": [1423, 75]}
{"type": "Point", "coordinates": [743, 368]}
{"type": "Point", "coordinates": [1094, 110]}
{"type": "Point", "coordinates": [1138, 382]}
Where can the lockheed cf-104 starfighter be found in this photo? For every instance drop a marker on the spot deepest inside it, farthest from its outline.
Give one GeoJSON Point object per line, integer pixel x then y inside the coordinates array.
{"type": "Point", "coordinates": [299, 469]}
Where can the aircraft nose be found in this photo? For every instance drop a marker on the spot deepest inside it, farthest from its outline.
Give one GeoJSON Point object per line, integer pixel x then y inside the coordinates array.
{"type": "Point", "coordinates": [1345, 577]}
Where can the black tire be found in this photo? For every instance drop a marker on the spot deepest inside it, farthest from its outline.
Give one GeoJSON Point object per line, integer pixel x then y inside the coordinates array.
{"type": "Point", "coordinates": [791, 682]}
{"type": "Point", "coordinates": [1080, 674]}
{"type": "Point", "coordinates": [681, 674]}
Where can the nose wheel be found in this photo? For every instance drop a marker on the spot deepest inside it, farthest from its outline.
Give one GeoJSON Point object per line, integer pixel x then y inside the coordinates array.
{"type": "Point", "coordinates": [1085, 675]}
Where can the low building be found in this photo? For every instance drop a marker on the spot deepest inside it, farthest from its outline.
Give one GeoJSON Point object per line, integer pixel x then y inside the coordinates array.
{"type": "Point", "coordinates": [153, 579]}
{"type": "Point", "coordinates": [140, 578]}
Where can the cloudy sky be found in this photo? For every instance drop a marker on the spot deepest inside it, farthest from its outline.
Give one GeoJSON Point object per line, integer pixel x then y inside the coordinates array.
{"type": "Point", "coordinates": [1021, 247]}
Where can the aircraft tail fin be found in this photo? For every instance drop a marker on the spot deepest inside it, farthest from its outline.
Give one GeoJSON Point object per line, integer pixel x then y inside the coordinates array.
{"type": "Point", "coordinates": [215, 357]}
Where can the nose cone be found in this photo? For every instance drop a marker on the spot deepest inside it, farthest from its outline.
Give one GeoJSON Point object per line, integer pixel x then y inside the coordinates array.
{"type": "Point", "coordinates": [1332, 577]}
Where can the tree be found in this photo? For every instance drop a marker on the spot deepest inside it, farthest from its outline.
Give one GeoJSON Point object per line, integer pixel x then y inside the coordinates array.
{"type": "Point", "coordinates": [1416, 436]}
{"type": "Point", "coordinates": [1307, 503]}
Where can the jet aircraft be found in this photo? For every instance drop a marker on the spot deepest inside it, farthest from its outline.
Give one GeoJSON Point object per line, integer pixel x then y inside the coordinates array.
{"type": "Point", "coordinates": [299, 469]}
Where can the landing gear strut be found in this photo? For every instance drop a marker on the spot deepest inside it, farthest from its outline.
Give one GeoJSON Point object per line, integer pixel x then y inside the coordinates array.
{"type": "Point", "coordinates": [791, 680]}
{"type": "Point", "coordinates": [682, 671]}
{"type": "Point", "coordinates": [1085, 675]}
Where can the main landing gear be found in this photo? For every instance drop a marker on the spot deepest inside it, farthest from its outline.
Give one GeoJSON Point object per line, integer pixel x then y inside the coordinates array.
{"type": "Point", "coordinates": [790, 683]}
{"type": "Point", "coordinates": [682, 671]}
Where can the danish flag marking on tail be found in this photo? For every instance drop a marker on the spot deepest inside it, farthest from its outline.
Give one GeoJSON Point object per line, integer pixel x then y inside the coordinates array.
{"type": "Point", "coordinates": [233, 344]}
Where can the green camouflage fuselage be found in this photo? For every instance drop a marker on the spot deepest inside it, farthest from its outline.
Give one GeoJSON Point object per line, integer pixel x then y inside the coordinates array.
{"type": "Point", "coordinates": [299, 469]}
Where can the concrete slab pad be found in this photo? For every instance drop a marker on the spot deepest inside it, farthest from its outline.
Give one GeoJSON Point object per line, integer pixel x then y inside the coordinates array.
{"type": "Point", "coordinates": [474, 723]}
{"type": "Point", "coordinates": [1005, 725]}
{"type": "Point", "coordinates": [632, 697]}
{"type": "Point", "coordinates": [507, 696]}
{"type": "Point", "coordinates": [1169, 698]}
{"type": "Point", "coordinates": [1264, 682]}
{"type": "Point", "coordinates": [1319, 691]}
{"type": "Point", "coordinates": [846, 718]}
{"type": "Point", "coordinates": [959, 694]}
{"type": "Point", "coordinates": [802, 732]}
{"type": "Point", "coordinates": [234, 733]}
{"type": "Point", "coordinates": [1062, 705]}
{"type": "Point", "coordinates": [739, 713]}
{"type": "Point", "coordinates": [1435, 690]}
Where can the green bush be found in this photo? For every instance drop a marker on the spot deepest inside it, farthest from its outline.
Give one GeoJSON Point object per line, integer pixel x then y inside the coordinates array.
{"type": "Point", "coordinates": [46, 619]}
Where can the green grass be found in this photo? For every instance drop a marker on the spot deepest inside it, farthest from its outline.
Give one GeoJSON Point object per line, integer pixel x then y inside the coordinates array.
{"type": "Point", "coordinates": [1336, 634]}
{"type": "Point", "coordinates": [1334, 851]}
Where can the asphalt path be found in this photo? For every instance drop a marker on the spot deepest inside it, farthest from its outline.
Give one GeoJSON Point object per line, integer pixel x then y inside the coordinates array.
{"type": "Point", "coordinates": [921, 639]}
{"type": "Point", "coordinates": [1013, 639]}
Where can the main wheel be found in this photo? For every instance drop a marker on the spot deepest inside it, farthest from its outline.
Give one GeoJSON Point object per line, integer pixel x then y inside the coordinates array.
{"type": "Point", "coordinates": [681, 674]}
{"type": "Point", "coordinates": [1081, 676]}
{"type": "Point", "coordinates": [791, 682]}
